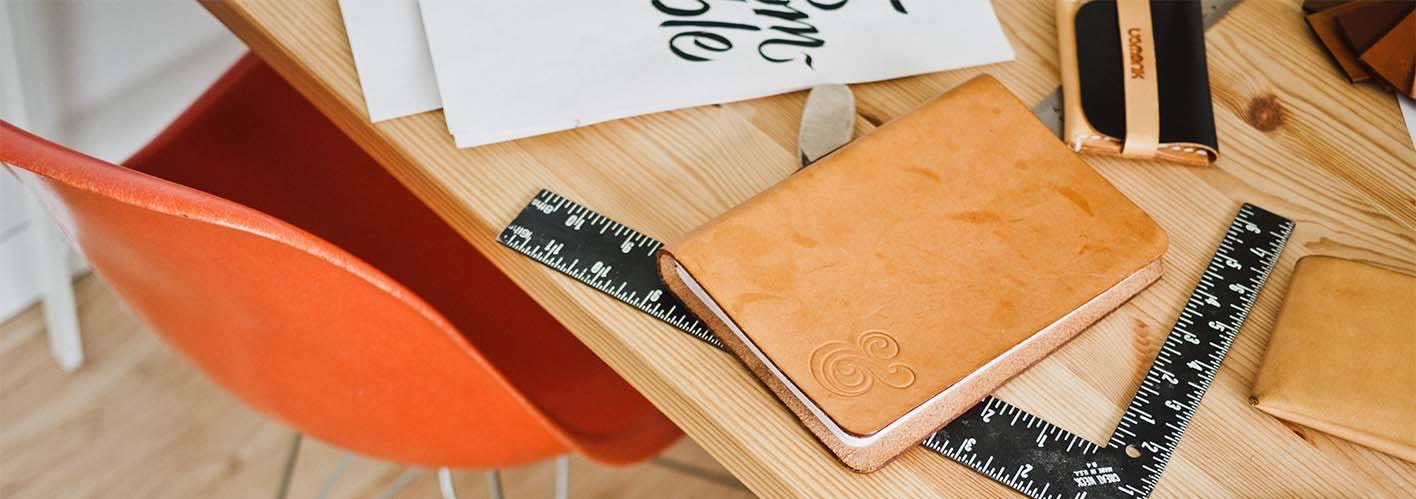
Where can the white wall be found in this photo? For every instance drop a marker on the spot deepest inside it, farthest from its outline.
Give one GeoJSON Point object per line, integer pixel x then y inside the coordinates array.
{"type": "Point", "coordinates": [102, 77]}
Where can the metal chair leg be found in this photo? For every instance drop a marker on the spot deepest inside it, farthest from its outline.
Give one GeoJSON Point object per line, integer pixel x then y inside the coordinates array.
{"type": "Point", "coordinates": [494, 485]}
{"type": "Point", "coordinates": [288, 471]}
{"type": "Point", "coordinates": [562, 477]}
{"type": "Point", "coordinates": [445, 484]}
{"type": "Point", "coordinates": [689, 469]}
{"type": "Point", "coordinates": [328, 487]}
{"type": "Point", "coordinates": [399, 483]}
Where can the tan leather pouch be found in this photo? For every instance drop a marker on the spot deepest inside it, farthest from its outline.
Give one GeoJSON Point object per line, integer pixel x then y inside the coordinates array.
{"type": "Point", "coordinates": [1134, 80]}
{"type": "Point", "coordinates": [1342, 356]}
{"type": "Point", "coordinates": [896, 282]}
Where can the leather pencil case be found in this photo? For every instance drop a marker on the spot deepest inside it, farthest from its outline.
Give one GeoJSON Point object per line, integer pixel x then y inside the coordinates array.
{"type": "Point", "coordinates": [893, 284]}
{"type": "Point", "coordinates": [1134, 80]}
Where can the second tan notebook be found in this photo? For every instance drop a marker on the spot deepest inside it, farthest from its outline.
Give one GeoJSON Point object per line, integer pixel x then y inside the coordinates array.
{"type": "Point", "coordinates": [889, 287]}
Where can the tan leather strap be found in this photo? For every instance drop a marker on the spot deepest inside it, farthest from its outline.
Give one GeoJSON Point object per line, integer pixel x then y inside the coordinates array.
{"type": "Point", "coordinates": [1142, 97]}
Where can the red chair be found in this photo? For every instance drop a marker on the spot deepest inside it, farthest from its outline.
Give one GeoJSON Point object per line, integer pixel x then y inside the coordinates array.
{"type": "Point", "coordinates": [269, 250]}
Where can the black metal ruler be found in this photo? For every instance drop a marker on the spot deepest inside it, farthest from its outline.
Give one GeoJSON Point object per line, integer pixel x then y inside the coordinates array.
{"type": "Point", "coordinates": [1040, 459]}
{"type": "Point", "coordinates": [996, 439]}
{"type": "Point", "coordinates": [602, 253]}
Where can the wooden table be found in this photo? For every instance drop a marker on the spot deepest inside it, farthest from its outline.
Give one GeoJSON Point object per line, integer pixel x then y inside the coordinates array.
{"type": "Point", "coordinates": [1297, 139]}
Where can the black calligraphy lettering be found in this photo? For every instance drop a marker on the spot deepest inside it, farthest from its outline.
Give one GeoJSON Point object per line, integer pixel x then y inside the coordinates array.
{"type": "Point", "coordinates": [899, 5]}
{"type": "Point", "coordinates": [793, 35]}
{"type": "Point", "coordinates": [708, 24]}
{"type": "Point", "coordinates": [799, 32]}
{"type": "Point", "coordinates": [705, 40]}
{"type": "Point", "coordinates": [674, 11]}
{"type": "Point", "coordinates": [827, 5]}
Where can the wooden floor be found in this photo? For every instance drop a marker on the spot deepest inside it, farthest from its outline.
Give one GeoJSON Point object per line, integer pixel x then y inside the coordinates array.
{"type": "Point", "coordinates": [137, 421]}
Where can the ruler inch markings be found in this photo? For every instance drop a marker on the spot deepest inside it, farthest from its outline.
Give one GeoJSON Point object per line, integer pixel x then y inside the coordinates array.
{"type": "Point", "coordinates": [1030, 458]}
{"type": "Point", "coordinates": [604, 256]}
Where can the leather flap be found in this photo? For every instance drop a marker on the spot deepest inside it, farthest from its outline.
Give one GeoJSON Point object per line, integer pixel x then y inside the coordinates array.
{"type": "Point", "coordinates": [1342, 355]}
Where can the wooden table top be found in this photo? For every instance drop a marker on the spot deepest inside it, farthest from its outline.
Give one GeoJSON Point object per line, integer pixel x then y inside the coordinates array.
{"type": "Point", "coordinates": [1296, 138]}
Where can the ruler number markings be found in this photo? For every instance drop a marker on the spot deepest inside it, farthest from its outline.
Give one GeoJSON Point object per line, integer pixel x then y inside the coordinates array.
{"type": "Point", "coordinates": [994, 438]}
{"type": "Point", "coordinates": [602, 254]}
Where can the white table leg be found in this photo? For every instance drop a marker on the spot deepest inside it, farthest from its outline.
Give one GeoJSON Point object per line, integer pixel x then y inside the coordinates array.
{"type": "Point", "coordinates": [55, 285]}
{"type": "Point", "coordinates": [51, 271]}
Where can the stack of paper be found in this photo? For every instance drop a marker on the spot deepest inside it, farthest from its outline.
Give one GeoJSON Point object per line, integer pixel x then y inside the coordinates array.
{"type": "Point", "coordinates": [391, 56]}
{"type": "Point", "coordinates": [507, 70]}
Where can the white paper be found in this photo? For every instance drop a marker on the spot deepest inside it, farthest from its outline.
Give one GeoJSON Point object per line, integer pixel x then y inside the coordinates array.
{"type": "Point", "coordinates": [1408, 111]}
{"type": "Point", "coordinates": [508, 70]}
{"type": "Point", "coordinates": [391, 56]}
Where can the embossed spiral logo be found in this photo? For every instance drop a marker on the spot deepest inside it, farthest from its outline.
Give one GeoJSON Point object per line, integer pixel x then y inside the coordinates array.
{"type": "Point", "coordinates": [852, 368]}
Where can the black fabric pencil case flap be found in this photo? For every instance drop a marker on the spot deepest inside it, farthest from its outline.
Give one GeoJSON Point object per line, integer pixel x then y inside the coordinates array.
{"type": "Point", "coordinates": [1134, 79]}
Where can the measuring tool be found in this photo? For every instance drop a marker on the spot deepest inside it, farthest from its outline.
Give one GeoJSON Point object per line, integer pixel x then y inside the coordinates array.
{"type": "Point", "coordinates": [1040, 459]}
{"type": "Point", "coordinates": [602, 253]}
{"type": "Point", "coordinates": [1001, 441]}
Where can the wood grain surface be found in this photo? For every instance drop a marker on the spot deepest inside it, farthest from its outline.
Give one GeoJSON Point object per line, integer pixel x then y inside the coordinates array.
{"type": "Point", "coordinates": [1296, 138]}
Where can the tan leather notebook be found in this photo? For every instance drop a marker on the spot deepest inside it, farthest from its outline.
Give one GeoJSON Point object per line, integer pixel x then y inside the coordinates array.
{"type": "Point", "coordinates": [893, 284]}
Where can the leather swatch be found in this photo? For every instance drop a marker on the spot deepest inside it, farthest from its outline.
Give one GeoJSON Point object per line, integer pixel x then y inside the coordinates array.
{"type": "Point", "coordinates": [1311, 6]}
{"type": "Point", "coordinates": [1363, 25]}
{"type": "Point", "coordinates": [1393, 57]}
{"type": "Point", "coordinates": [1324, 25]}
{"type": "Point", "coordinates": [887, 288]}
{"type": "Point", "coordinates": [1108, 69]}
{"type": "Point", "coordinates": [1342, 355]}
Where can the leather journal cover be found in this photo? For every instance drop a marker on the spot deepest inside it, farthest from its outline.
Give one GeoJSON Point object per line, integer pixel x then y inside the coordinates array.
{"type": "Point", "coordinates": [1135, 81]}
{"type": "Point", "coordinates": [896, 282]}
{"type": "Point", "coordinates": [1342, 355]}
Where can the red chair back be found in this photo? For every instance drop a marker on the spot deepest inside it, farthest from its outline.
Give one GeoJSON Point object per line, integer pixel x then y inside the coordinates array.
{"type": "Point", "coordinates": [296, 327]}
